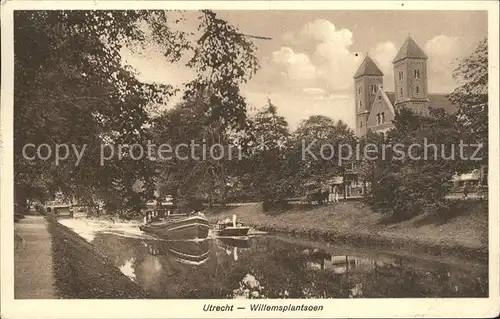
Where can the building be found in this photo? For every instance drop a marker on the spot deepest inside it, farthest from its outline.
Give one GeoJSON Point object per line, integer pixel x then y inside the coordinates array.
{"type": "Point", "coordinates": [376, 108]}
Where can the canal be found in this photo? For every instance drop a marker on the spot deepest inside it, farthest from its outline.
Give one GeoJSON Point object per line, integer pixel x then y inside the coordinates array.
{"type": "Point", "coordinates": [283, 267]}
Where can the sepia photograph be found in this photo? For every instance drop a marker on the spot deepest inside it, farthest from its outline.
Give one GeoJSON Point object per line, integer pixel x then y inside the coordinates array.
{"type": "Point", "coordinates": [251, 161]}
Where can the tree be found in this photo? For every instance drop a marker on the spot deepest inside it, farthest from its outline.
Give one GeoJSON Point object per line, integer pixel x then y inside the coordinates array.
{"type": "Point", "coordinates": [323, 145]}
{"type": "Point", "coordinates": [71, 87]}
{"type": "Point", "coordinates": [268, 173]}
{"type": "Point", "coordinates": [472, 96]}
{"type": "Point", "coordinates": [411, 179]}
{"type": "Point", "coordinates": [186, 172]}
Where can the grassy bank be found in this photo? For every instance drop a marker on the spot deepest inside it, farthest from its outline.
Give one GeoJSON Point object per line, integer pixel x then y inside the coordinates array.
{"type": "Point", "coordinates": [83, 273]}
{"type": "Point", "coordinates": [462, 231]}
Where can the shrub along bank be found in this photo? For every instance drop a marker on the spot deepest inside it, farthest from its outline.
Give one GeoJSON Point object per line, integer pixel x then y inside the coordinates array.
{"type": "Point", "coordinates": [461, 231]}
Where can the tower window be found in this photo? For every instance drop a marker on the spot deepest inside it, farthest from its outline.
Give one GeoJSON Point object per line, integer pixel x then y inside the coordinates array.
{"type": "Point", "coordinates": [416, 74]}
{"type": "Point", "coordinates": [360, 105]}
{"type": "Point", "coordinates": [401, 92]}
{"type": "Point", "coordinates": [374, 88]}
{"type": "Point", "coordinates": [417, 89]}
{"type": "Point", "coordinates": [400, 74]}
{"type": "Point", "coordinates": [359, 89]}
{"type": "Point", "coordinates": [360, 123]}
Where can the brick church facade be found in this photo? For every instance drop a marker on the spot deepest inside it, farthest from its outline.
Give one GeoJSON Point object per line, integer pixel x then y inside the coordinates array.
{"type": "Point", "coordinates": [376, 108]}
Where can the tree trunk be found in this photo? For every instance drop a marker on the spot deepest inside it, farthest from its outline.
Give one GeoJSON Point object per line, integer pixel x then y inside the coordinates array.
{"type": "Point", "coordinates": [210, 199]}
{"type": "Point", "coordinates": [345, 185]}
{"type": "Point", "coordinates": [223, 188]}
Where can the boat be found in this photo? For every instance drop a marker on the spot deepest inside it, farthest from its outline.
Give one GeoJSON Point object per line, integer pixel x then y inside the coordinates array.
{"type": "Point", "coordinates": [186, 251]}
{"type": "Point", "coordinates": [191, 226]}
{"type": "Point", "coordinates": [228, 228]}
{"type": "Point", "coordinates": [231, 245]}
{"type": "Point", "coordinates": [234, 242]}
{"type": "Point", "coordinates": [58, 208]}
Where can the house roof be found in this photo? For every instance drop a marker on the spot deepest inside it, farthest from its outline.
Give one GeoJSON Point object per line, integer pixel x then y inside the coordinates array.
{"type": "Point", "coordinates": [388, 101]}
{"type": "Point", "coordinates": [409, 49]}
{"type": "Point", "coordinates": [436, 100]}
{"type": "Point", "coordinates": [368, 67]}
{"type": "Point", "coordinates": [391, 96]}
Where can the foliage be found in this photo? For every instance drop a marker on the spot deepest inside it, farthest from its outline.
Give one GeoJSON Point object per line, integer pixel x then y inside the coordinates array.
{"type": "Point", "coordinates": [71, 87]}
{"type": "Point", "coordinates": [471, 96]}
{"type": "Point", "coordinates": [192, 171]}
{"type": "Point", "coordinates": [266, 169]}
{"type": "Point", "coordinates": [411, 180]}
{"type": "Point", "coordinates": [329, 143]}
{"type": "Point", "coordinates": [223, 59]}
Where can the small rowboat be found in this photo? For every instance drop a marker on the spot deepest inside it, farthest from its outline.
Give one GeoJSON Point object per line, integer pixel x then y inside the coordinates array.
{"type": "Point", "coordinates": [177, 226]}
{"type": "Point", "coordinates": [228, 228]}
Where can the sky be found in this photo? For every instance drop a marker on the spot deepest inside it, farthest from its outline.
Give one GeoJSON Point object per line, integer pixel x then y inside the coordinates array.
{"type": "Point", "coordinates": [308, 66]}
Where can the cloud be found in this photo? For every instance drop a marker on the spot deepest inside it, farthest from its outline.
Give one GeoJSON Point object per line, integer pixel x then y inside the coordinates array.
{"type": "Point", "coordinates": [444, 53]}
{"type": "Point", "coordinates": [383, 54]}
{"type": "Point", "coordinates": [296, 67]}
{"type": "Point", "coordinates": [318, 56]}
{"type": "Point", "coordinates": [297, 106]}
{"type": "Point", "coordinates": [314, 91]}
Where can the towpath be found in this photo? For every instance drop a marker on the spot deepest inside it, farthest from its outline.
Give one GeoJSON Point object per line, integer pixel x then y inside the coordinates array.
{"type": "Point", "coordinates": [51, 262]}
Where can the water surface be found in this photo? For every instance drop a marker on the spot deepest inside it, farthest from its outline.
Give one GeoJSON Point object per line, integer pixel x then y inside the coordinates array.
{"type": "Point", "coordinates": [281, 267]}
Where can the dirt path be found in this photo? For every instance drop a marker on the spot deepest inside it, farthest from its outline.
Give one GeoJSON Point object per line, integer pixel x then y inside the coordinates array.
{"type": "Point", "coordinates": [52, 262]}
{"type": "Point", "coordinates": [33, 271]}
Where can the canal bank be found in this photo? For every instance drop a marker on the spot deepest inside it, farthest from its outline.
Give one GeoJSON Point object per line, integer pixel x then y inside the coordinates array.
{"type": "Point", "coordinates": [53, 262]}
{"type": "Point", "coordinates": [463, 232]}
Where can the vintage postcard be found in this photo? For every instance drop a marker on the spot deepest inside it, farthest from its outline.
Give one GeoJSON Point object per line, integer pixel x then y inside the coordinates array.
{"type": "Point", "coordinates": [237, 159]}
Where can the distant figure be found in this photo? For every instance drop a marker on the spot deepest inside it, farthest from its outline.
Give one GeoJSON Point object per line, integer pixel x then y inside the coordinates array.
{"type": "Point", "coordinates": [335, 194]}
{"type": "Point", "coordinates": [466, 190]}
{"type": "Point", "coordinates": [325, 196]}
{"type": "Point", "coordinates": [331, 196]}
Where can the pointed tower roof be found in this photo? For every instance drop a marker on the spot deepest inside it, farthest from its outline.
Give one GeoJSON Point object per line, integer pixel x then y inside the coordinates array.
{"type": "Point", "coordinates": [368, 67]}
{"type": "Point", "coordinates": [409, 49]}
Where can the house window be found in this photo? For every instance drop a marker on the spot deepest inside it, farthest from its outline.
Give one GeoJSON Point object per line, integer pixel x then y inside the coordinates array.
{"type": "Point", "coordinates": [417, 89]}
{"type": "Point", "coordinates": [378, 118]}
{"type": "Point", "coordinates": [374, 89]}
{"type": "Point", "coordinates": [400, 74]}
{"type": "Point", "coordinates": [383, 117]}
{"type": "Point", "coordinates": [379, 98]}
{"type": "Point", "coordinates": [401, 92]}
{"type": "Point", "coordinates": [416, 74]}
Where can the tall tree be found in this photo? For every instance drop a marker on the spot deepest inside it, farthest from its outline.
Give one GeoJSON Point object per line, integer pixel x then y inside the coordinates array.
{"type": "Point", "coordinates": [471, 96]}
{"type": "Point", "coordinates": [71, 87]}
{"type": "Point", "coordinates": [268, 173]}
{"type": "Point", "coordinates": [323, 143]}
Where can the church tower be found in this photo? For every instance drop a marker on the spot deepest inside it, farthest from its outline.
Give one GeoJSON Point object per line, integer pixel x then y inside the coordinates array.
{"type": "Point", "coordinates": [367, 80]}
{"type": "Point", "coordinates": [410, 78]}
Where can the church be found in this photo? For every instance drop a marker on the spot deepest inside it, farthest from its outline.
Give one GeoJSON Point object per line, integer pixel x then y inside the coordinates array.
{"type": "Point", "coordinates": [375, 107]}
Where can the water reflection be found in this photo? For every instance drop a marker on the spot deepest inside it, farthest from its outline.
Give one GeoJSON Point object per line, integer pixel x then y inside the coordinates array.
{"type": "Point", "coordinates": [232, 245]}
{"type": "Point", "coordinates": [269, 267]}
{"type": "Point", "coordinates": [187, 252]}
{"type": "Point", "coordinates": [342, 264]}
